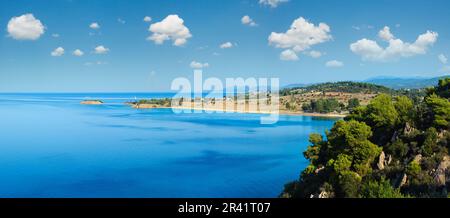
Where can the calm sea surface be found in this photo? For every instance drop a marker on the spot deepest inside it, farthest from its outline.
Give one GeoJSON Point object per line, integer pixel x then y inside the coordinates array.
{"type": "Point", "coordinates": [51, 146]}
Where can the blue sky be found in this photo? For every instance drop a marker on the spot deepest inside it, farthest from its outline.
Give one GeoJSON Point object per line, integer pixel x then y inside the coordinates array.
{"type": "Point", "coordinates": [131, 62]}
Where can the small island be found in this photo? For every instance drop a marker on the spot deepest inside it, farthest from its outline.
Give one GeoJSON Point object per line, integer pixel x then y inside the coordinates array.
{"type": "Point", "coordinates": [92, 102]}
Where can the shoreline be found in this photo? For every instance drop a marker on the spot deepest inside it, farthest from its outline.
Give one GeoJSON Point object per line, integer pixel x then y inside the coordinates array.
{"type": "Point", "coordinates": [280, 112]}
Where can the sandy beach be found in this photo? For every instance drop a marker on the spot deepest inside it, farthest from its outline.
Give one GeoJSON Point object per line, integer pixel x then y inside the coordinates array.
{"type": "Point", "coordinates": [215, 108]}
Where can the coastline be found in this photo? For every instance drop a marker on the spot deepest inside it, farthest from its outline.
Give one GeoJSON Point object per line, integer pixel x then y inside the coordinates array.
{"type": "Point", "coordinates": [280, 112]}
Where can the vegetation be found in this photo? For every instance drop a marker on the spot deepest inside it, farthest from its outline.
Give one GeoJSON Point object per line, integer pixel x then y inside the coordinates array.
{"type": "Point", "coordinates": [323, 106]}
{"type": "Point", "coordinates": [345, 86]}
{"type": "Point", "coordinates": [390, 148]}
{"type": "Point", "coordinates": [161, 102]}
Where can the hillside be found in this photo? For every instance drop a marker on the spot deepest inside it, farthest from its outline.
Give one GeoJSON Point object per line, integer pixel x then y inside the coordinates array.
{"type": "Point", "coordinates": [393, 147]}
{"type": "Point", "coordinates": [405, 83]}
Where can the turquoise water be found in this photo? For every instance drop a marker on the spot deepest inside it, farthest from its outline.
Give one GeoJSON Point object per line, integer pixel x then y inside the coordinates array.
{"type": "Point", "coordinates": [51, 146]}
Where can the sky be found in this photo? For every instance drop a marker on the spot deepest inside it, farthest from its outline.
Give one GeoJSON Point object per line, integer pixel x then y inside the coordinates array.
{"type": "Point", "coordinates": [142, 46]}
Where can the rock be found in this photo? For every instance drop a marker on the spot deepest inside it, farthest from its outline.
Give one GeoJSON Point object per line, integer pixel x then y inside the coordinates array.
{"type": "Point", "coordinates": [403, 181]}
{"type": "Point", "coordinates": [408, 129]}
{"type": "Point", "coordinates": [418, 158]}
{"type": "Point", "coordinates": [388, 160]}
{"type": "Point", "coordinates": [319, 169]}
{"type": "Point", "coordinates": [322, 194]}
{"type": "Point", "coordinates": [381, 161]}
{"type": "Point", "coordinates": [440, 172]}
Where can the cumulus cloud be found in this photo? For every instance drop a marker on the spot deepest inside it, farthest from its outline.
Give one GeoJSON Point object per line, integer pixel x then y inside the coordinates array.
{"type": "Point", "coordinates": [55, 35]}
{"type": "Point", "coordinates": [57, 52]}
{"type": "Point", "coordinates": [442, 58]}
{"type": "Point", "coordinates": [334, 63]}
{"type": "Point", "coordinates": [385, 34]}
{"type": "Point", "coordinates": [198, 65]}
{"type": "Point", "coordinates": [101, 50]}
{"type": "Point", "coordinates": [370, 50]}
{"type": "Point", "coordinates": [78, 52]}
{"type": "Point", "coordinates": [120, 20]}
{"type": "Point", "coordinates": [314, 54]}
{"type": "Point", "coordinates": [95, 63]}
{"type": "Point", "coordinates": [25, 27]}
{"type": "Point", "coordinates": [226, 45]}
{"type": "Point", "coordinates": [171, 28]}
{"type": "Point", "coordinates": [246, 20]}
{"type": "Point", "coordinates": [94, 26]}
{"type": "Point", "coordinates": [272, 3]}
{"type": "Point", "coordinates": [147, 19]}
{"type": "Point", "coordinates": [301, 36]}
{"type": "Point", "coordinates": [288, 55]}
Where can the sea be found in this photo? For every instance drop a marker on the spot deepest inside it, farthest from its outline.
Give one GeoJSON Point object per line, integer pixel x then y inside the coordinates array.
{"type": "Point", "coordinates": [53, 146]}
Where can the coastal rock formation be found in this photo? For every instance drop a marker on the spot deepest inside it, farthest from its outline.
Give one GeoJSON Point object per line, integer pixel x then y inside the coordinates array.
{"type": "Point", "coordinates": [322, 194]}
{"type": "Point", "coordinates": [92, 102]}
{"type": "Point", "coordinates": [403, 180]}
{"type": "Point", "coordinates": [441, 171]}
{"type": "Point", "coordinates": [418, 158]}
{"type": "Point", "coordinates": [381, 161]}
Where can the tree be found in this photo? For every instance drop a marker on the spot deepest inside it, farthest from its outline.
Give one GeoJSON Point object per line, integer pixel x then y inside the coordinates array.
{"type": "Point", "coordinates": [379, 189]}
{"type": "Point", "coordinates": [441, 111]}
{"type": "Point", "coordinates": [397, 148]}
{"type": "Point", "coordinates": [430, 142]}
{"type": "Point", "coordinates": [381, 112]}
{"type": "Point", "coordinates": [352, 138]}
{"type": "Point", "coordinates": [403, 105]}
{"type": "Point", "coordinates": [352, 103]}
{"type": "Point", "coordinates": [443, 88]}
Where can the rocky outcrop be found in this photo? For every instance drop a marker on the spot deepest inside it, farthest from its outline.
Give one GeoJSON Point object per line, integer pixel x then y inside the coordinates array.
{"type": "Point", "coordinates": [417, 158]}
{"type": "Point", "coordinates": [322, 194]}
{"type": "Point", "coordinates": [408, 129]}
{"type": "Point", "coordinates": [384, 160]}
{"type": "Point", "coordinates": [439, 174]}
{"type": "Point", "coordinates": [402, 182]}
{"type": "Point", "coordinates": [319, 169]}
{"type": "Point", "coordinates": [381, 160]}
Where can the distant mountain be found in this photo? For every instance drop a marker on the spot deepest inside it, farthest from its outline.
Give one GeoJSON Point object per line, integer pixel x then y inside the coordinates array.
{"type": "Point", "coordinates": [405, 83]}
{"type": "Point", "coordinates": [296, 85]}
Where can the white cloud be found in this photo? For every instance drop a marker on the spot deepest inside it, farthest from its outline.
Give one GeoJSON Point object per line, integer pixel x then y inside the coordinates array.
{"type": "Point", "coordinates": [272, 3]}
{"type": "Point", "coordinates": [57, 52]}
{"type": "Point", "coordinates": [121, 21]}
{"type": "Point", "coordinates": [25, 27]}
{"type": "Point", "coordinates": [288, 55]}
{"type": "Point", "coordinates": [246, 20]}
{"type": "Point", "coordinates": [55, 35]}
{"type": "Point", "coordinates": [78, 53]}
{"type": "Point", "coordinates": [95, 63]}
{"type": "Point", "coordinates": [301, 36]}
{"type": "Point", "coordinates": [385, 34]}
{"type": "Point", "coordinates": [171, 28]}
{"type": "Point", "coordinates": [442, 58]}
{"type": "Point", "coordinates": [198, 65]}
{"type": "Point", "coordinates": [147, 19]}
{"type": "Point", "coordinates": [101, 49]}
{"type": "Point", "coordinates": [370, 50]}
{"type": "Point", "coordinates": [314, 54]}
{"type": "Point", "coordinates": [226, 45]}
{"type": "Point", "coordinates": [334, 63]}
{"type": "Point", "coordinates": [94, 26]}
